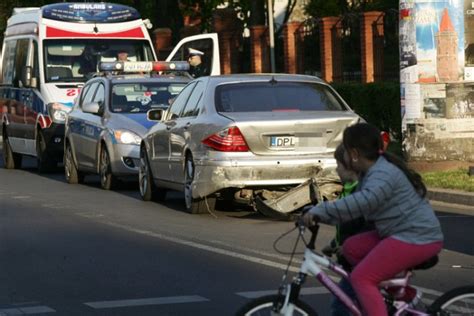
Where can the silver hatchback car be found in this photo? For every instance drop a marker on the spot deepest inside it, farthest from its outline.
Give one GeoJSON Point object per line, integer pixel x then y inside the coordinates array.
{"type": "Point", "coordinates": [233, 135]}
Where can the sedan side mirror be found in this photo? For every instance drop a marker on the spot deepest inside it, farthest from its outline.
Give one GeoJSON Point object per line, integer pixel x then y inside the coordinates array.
{"type": "Point", "coordinates": [92, 108]}
{"type": "Point", "coordinates": [155, 114]}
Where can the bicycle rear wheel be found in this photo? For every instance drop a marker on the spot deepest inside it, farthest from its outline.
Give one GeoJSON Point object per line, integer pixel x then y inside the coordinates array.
{"type": "Point", "coordinates": [458, 301]}
{"type": "Point", "coordinates": [263, 306]}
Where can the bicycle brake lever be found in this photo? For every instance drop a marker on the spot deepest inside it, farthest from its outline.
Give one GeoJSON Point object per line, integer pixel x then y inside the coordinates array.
{"type": "Point", "coordinates": [314, 233]}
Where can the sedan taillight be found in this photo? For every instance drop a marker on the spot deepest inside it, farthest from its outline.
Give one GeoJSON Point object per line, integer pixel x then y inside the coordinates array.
{"type": "Point", "coordinates": [230, 139]}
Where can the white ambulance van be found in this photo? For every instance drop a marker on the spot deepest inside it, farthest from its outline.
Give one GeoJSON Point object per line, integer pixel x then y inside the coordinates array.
{"type": "Point", "coordinates": [47, 55]}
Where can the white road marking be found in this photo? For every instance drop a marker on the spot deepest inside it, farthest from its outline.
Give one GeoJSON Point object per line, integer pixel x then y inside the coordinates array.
{"type": "Point", "coordinates": [27, 310]}
{"type": "Point", "coordinates": [304, 291]}
{"type": "Point", "coordinates": [205, 247]}
{"type": "Point", "coordinates": [90, 215]}
{"type": "Point", "coordinates": [148, 301]}
{"type": "Point", "coordinates": [228, 252]}
{"type": "Point", "coordinates": [256, 251]}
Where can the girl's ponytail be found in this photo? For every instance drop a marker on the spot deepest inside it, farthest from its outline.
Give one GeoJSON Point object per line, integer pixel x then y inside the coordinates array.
{"type": "Point", "coordinates": [412, 175]}
{"type": "Point", "coordinates": [367, 140]}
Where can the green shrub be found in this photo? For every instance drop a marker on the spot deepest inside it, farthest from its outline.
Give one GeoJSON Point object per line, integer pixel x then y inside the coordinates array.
{"type": "Point", "coordinates": [377, 103]}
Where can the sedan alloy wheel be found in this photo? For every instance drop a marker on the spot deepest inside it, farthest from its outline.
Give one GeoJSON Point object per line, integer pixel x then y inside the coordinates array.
{"type": "Point", "coordinates": [72, 174]}
{"type": "Point", "coordinates": [148, 189]}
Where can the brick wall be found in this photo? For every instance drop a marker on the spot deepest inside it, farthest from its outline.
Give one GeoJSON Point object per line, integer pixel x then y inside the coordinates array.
{"type": "Point", "coordinates": [370, 25]}
{"type": "Point", "coordinates": [258, 49]}
{"type": "Point", "coordinates": [289, 47]}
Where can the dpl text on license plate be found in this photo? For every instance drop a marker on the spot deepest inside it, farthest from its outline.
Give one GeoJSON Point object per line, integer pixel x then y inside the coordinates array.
{"type": "Point", "coordinates": [283, 141]}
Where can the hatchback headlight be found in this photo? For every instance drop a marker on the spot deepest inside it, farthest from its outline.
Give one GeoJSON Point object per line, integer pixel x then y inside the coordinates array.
{"type": "Point", "coordinates": [127, 137]}
{"type": "Point", "coordinates": [58, 112]}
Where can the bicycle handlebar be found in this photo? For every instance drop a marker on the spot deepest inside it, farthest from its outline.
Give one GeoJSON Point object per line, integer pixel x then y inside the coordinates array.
{"type": "Point", "coordinates": [313, 229]}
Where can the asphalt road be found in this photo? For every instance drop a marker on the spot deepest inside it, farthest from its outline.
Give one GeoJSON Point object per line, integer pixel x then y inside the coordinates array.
{"type": "Point", "coordinates": [79, 250]}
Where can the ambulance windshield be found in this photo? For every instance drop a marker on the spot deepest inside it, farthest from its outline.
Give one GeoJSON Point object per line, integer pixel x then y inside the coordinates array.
{"type": "Point", "coordinates": [76, 60]}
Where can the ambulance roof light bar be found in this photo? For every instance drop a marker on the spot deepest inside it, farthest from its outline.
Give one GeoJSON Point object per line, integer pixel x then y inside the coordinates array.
{"type": "Point", "coordinates": [143, 66]}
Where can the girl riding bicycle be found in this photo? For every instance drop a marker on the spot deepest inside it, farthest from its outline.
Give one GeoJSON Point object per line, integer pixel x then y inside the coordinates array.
{"type": "Point", "coordinates": [391, 196]}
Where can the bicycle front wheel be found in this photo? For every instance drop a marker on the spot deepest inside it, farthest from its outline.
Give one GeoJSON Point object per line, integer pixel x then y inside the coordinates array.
{"type": "Point", "coordinates": [263, 306]}
{"type": "Point", "coordinates": [458, 301]}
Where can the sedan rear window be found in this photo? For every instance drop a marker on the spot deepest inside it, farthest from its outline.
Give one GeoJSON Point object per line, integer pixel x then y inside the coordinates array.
{"type": "Point", "coordinates": [276, 97]}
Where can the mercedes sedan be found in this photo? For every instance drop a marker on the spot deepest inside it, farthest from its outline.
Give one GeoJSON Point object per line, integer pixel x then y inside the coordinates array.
{"type": "Point", "coordinates": [231, 136]}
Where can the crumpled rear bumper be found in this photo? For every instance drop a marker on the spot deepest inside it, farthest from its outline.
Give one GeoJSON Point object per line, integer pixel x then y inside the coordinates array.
{"type": "Point", "coordinates": [214, 175]}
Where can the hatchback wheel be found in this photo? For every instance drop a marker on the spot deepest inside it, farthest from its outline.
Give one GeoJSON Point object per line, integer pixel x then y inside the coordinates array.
{"type": "Point", "coordinates": [73, 175]}
{"type": "Point", "coordinates": [195, 206]}
{"type": "Point", "coordinates": [107, 179]}
{"type": "Point", "coordinates": [11, 160]}
{"type": "Point", "coordinates": [45, 162]}
{"type": "Point", "coordinates": [148, 189]}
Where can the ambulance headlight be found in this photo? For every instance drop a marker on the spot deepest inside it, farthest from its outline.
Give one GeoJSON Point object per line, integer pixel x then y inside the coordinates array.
{"type": "Point", "coordinates": [58, 112]}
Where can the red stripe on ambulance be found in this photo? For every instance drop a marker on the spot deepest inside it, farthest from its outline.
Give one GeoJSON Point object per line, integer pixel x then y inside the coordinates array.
{"type": "Point", "coordinates": [54, 32]}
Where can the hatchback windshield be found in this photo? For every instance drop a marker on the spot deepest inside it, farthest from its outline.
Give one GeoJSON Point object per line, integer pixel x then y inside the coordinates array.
{"type": "Point", "coordinates": [73, 60]}
{"type": "Point", "coordinates": [276, 97]}
{"type": "Point", "coordinates": [141, 97]}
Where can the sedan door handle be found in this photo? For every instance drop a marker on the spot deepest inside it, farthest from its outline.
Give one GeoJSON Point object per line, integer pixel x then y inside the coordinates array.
{"type": "Point", "coordinates": [187, 125]}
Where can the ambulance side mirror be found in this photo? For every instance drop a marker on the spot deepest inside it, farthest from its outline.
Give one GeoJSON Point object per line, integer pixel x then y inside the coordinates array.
{"type": "Point", "coordinates": [26, 75]}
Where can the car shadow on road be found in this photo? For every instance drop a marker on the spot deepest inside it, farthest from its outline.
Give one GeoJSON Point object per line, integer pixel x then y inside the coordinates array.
{"type": "Point", "coordinates": [129, 188]}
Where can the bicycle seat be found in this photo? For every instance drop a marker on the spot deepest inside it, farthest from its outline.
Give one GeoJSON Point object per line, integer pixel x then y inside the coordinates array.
{"type": "Point", "coordinates": [428, 264]}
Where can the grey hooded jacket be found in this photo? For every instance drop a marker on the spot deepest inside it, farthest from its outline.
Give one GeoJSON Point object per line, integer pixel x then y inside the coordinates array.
{"type": "Point", "coordinates": [386, 197]}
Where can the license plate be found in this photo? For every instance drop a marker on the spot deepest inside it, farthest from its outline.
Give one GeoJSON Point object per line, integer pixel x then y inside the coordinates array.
{"type": "Point", "coordinates": [137, 66]}
{"type": "Point", "coordinates": [283, 141]}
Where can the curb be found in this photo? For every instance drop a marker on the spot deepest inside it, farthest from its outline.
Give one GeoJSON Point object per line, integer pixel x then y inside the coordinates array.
{"type": "Point", "coordinates": [452, 196]}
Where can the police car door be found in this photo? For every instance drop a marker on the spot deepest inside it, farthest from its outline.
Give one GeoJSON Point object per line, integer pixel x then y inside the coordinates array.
{"type": "Point", "coordinates": [93, 128]}
{"type": "Point", "coordinates": [208, 44]}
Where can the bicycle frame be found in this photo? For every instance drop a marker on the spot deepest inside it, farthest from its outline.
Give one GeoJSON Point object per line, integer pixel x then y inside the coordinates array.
{"type": "Point", "coordinates": [313, 264]}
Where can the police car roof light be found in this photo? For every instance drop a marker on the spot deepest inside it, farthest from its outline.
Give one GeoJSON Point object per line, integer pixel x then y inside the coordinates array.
{"type": "Point", "coordinates": [140, 66]}
{"type": "Point", "coordinates": [170, 66]}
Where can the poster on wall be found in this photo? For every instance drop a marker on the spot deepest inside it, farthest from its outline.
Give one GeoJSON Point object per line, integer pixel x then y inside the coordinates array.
{"type": "Point", "coordinates": [433, 97]}
{"type": "Point", "coordinates": [407, 40]}
{"type": "Point", "coordinates": [469, 40]}
{"type": "Point", "coordinates": [437, 94]}
{"type": "Point", "coordinates": [460, 101]}
{"type": "Point", "coordinates": [410, 103]}
{"type": "Point", "coordinates": [440, 40]}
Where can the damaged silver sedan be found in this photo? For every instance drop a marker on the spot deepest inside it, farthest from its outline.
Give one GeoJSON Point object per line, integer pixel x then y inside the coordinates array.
{"type": "Point", "coordinates": [232, 136]}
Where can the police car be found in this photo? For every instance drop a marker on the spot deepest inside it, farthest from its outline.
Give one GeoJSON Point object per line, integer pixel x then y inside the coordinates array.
{"type": "Point", "coordinates": [106, 125]}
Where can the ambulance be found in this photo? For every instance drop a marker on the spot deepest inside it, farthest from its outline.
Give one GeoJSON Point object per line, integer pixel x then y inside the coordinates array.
{"type": "Point", "coordinates": [49, 53]}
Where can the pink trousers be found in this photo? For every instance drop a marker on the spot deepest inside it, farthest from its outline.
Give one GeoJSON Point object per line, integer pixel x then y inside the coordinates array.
{"type": "Point", "coordinates": [376, 260]}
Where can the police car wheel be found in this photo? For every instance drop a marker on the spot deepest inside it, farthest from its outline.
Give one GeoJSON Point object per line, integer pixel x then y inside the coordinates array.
{"type": "Point", "coordinates": [72, 174]}
{"type": "Point", "coordinates": [195, 206]}
{"type": "Point", "coordinates": [107, 179]}
{"type": "Point", "coordinates": [148, 189]}
{"type": "Point", "coordinates": [11, 160]}
{"type": "Point", "coordinates": [45, 163]}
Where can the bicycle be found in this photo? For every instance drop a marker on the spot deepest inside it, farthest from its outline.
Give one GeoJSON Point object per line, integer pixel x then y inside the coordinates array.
{"type": "Point", "coordinates": [458, 301]}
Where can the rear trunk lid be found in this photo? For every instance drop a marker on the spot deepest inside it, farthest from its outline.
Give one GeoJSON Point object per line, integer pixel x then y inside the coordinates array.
{"type": "Point", "coordinates": [292, 133]}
